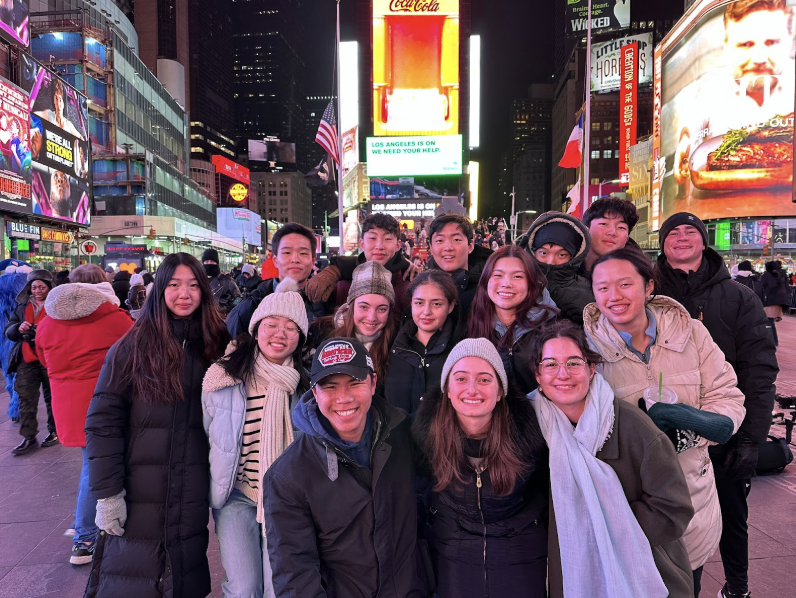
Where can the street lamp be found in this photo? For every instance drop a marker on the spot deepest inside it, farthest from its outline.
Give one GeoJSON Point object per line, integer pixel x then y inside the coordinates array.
{"type": "Point", "coordinates": [515, 218]}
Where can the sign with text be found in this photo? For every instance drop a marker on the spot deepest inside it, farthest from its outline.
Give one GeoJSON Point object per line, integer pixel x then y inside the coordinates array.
{"type": "Point", "coordinates": [606, 62]}
{"type": "Point", "coordinates": [414, 156]}
{"type": "Point", "coordinates": [237, 223]}
{"type": "Point", "coordinates": [59, 236]}
{"type": "Point", "coordinates": [403, 209]}
{"type": "Point", "coordinates": [231, 169]}
{"type": "Point", "coordinates": [628, 109]}
{"type": "Point", "coordinates": [605, 16]}
{"type": "Point", "coordinates": [15, 160]}
{"type": "Point", "coordinates": [22, 230]}
{"type": "Point", "coordinates": [655, 192]}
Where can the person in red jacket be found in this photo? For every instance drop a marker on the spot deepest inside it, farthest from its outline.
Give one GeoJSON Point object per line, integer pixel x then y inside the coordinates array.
{"type": "Point", "coordinates": [83, 321]}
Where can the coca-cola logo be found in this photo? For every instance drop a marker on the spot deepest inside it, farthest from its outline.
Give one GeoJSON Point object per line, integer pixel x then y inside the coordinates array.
{"type": "Point", "coordinates": [414, 6]}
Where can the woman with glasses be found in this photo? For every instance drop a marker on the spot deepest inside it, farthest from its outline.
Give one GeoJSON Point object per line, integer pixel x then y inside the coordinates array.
{"type": "Point", "coordinates": [613, 475]}
{"type": "Point", "coordinates": [656, 356]}
{"type": "Point", "coordinates": [247, 398]}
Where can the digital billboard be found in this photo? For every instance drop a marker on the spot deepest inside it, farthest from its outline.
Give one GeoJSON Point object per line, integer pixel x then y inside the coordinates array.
{"type": "Point", "coordinates": [605, 16]}
{"type": "Point", "coordinates": [272, 150]}
{"type": "Point", "coordinates": [14, 21]}
{"type": "Point", "coordinates": [58, 144]}
{"type": "Point", "coordinates": [723, 132]}
{"type": "Point", "coordinates": [628, 109]}
{"type": "Point", "coordinates": [403, 209]}
{"type": "Point", "coordinates": [606, 61]}
{"type": "Point", "coordinates": [415, 67]}
{"type": "Point", "coordinates": [15, 143]}
{"type": "Point", "coordinates": [238, 223]}
{"type": "Point", "coordinates": [414, 156]}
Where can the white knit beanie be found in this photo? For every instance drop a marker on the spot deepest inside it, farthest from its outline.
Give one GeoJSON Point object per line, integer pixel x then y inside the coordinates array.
{"type": "Point", "coordinates": [475, 347]}
{"type": "Point", "coordinates": [285, 301]}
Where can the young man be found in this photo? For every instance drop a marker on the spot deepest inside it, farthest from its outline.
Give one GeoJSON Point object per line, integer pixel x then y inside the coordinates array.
{"type": "Point", "coordinates": [610, 222]}
{"type": "Point", "coordinates": [380, 242]}
{"type": "Point", "coordinates": [453, 251]}
{"type": "Point", "coordinates": [340, 503]}
{"type": "Point", "coordinates": [689, 271]}
{"type": "Point", "coordinates": [294, 257]}
{"type": "Point", "coordinates": [225, 291]}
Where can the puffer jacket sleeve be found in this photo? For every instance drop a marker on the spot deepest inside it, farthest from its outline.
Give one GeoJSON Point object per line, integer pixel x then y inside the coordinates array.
{"type": "Point", "coordinates": [12, 328]}
{"type": "Point", "coordinates": [571, 296]}
{"type": "Point", "coordinates": [292, 545]}
{"type": "Point", "coordinates": [719, 386]}
{"type": "Point", "coordinates": [106, 424]}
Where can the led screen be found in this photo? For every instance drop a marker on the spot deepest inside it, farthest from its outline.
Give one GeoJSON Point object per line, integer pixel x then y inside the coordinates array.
{"type": "Point", "coordinates": [415, 67]}
{"type": "Point", "coordinates": [414, 156]}
{"type": "Point", "coordinates": [724, 112]}
{"type": "Point", "coordinates": [237, 223]}
{"type": "Point", "coordinates": [14, 21]}
{"type": "Point", "coordinates": [15, 144]}
{"type": "Point", "coordinates": [606, 72]}
{"type": "Point", "coordinates": [272, 150]}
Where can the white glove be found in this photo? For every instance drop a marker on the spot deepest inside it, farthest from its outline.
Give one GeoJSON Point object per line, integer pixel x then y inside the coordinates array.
{"type": "Point", "coordinates": [112, 514]}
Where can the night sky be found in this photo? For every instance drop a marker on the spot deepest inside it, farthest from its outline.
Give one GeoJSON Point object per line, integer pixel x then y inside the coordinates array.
{"type": "Point", "coordinates": [516, 50]}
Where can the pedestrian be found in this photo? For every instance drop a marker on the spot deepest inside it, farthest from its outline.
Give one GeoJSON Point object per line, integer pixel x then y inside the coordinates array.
{"type": "Point", "coordinates": [613, 474]}
{"type": "Point", "coordinates": [691, 272]}
{"type": "Point", "coordinates": [422, 345]}
{"type": "Point", "coordinates": [510, 306]}
{"type": "Point", "coordinates": [652, 342]}
{"type": "Point", "coordinates": [247, 398]}
{"type": "Point", "coordinates": [83, 321]}
{"type": "Point", "coordinates": [776, 294]}
{"type": "Point", "coordinates": [223, 287]}
{"type": "Point", "coordinates": [31, 375]}
{"type": "Point", "coordinates": [121, 286]}
{"type": "Point", "coordinates": [146, 445]}
{"type": "Point", "coordinates": [340, 502]}
{"type": "Point", "coordinates": [749, 278]}
{"type": "Point", "coordinates": [486, 521]}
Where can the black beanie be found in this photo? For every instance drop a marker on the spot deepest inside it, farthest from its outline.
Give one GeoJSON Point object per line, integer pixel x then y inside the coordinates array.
{"type": "Point", "coordinates": [210, 254]}
{"type": "Point", "coordinates": [679, 219]}
{"type": "Point", "coordinates": [745, 266]}
{"type": "Point", "coordinates": [558, 233]}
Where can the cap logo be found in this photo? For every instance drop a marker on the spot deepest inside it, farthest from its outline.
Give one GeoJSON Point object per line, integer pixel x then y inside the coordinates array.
{"type": "Point", "coordinates": [336, 353]}
{"type": "Point", "coordinates": [370, 362]}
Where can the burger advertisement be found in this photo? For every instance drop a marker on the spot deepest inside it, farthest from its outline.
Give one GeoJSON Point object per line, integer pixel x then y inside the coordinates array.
{"type": "Point", "coordinates": [724, 127]}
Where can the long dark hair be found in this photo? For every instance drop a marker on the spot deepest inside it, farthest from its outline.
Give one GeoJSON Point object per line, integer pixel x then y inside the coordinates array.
{"type": "Point", "coordinates": [481, 321]}
{"type": "Point", "coordinates": [149, 358]}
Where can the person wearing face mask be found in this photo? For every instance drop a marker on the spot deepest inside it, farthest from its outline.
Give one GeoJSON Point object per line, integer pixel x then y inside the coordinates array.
{"type": "Point", "coordinates": [651, 342]}
{"type": "Point", "coordinates": [613, 474]}
{"type": "Point", "coordinates": [421, 346]}
{"type": "Point", "coordinates": [225, 292]}
{"type": "Point", "coordinates": [247, 398]}
{"type": "Point", "coordinates": [486, 523]}
{"type": "Point", "coordinates": [559, 243]}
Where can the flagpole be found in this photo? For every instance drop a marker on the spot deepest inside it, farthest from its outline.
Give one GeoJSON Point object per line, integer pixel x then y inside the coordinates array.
{"type": "Point", "coordinates": [340, 214]}
{"type": "Point", "coordinates": [587, 119]}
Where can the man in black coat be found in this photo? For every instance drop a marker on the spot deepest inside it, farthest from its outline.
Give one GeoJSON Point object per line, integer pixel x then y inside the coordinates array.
{"type": "Point", "coordinates": [225, 292]}
{"type": "Point", "coordinates": [692, 273]}
{"type": "Point", "coordinates": [340, 501]}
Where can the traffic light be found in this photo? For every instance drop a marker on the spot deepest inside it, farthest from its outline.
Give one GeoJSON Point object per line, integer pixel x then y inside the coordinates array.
{"type": "Point", "coordinates": [151, 233]}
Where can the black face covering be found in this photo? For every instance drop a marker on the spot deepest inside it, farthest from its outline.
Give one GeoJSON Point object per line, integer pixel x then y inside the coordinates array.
{"type": "Point", "coordinates": [212, 270]}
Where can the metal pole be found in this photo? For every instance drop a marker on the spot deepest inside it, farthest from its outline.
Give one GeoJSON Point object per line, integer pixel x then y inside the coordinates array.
{"type": "Point", "coordinates": [512, 210]}
{"type": "Point", "coordinates": [587, 119]}
{"type": "Point", "coordinates": [340, 214]}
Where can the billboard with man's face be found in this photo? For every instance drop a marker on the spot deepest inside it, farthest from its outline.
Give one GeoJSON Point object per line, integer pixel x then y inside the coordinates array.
{"type": "Point", "coordinates": [725, 147]}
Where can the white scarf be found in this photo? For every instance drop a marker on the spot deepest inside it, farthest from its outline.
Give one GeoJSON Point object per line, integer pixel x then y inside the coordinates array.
{"type": "Point", "coordinates": [604, 552]}
{"type": "Point", "coordinates": [276, 428]}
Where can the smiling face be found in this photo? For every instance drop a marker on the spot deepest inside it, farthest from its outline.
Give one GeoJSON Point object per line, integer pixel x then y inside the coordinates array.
{"type": "Point", "coordinates": [620, 293]}
{"type": "Point", "coordinates": [277, 338]}
{"type": "Point", "coordinates": [552, 254]}
{"type": "Point", "coordinates": [608, 233]}
{"type": "Point", "coordinates": [508, 285]}
{"type": "Point", "coordinates": [567, 390]}
{"type": "Point", "coordinates": [345, 402]}
{"type": "Point", "coordinates": [450, 248]}
{"type": "Point", "coordinates": [473, 389]}
{"type": "Point", "coordinates": [183, 295]}
{"type": "Point", "coordinates": [370, 313]}
{"type": "Point", "coordinates": [379, 245]}
{"type": "Point", "coordinates": [684, 245]}
{"type": "Point", "coordinates": [294, 257]}
{"type": "Point", "coordinates": [39, 290]}
{"type": "Point", "coordinates": [430, 308]}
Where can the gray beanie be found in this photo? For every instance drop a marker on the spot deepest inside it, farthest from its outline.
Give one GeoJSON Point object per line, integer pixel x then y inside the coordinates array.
{"type": "Point", "coordinates": [475, 347]}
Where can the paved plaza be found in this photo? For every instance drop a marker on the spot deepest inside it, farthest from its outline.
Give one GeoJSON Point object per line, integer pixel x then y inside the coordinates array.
{"type": "Point", "coordinates": [38, 490]}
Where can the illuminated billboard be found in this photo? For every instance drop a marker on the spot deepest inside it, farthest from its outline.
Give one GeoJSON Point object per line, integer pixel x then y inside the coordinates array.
{"type": "Point", "coordinates": [272, 150]}
{"type": "Point", "coordinates": [606, 58]}
{"type": "Point", "coordinates": [415, 67]}
{"type": "Point", "coordinates": [605, 16]}
{"type": "Point", "coordinates": [15, 142]}
{"type": "Point", "coordinates": [238, 223]}
{"type": "Point", "coordinates": [723, 132]}
{"type": "Point", "coordinates": [58, 145]}
{"type": "Point", "coordinates": [14, 21]}
{"type": "Point", "coordinates": [414, 156]}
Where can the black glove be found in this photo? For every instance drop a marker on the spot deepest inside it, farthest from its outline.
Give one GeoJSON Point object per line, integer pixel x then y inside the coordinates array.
{"type": "Point", "coordinates": [681, 439]}
{"type": "Point", "coordinates": [740, 459]}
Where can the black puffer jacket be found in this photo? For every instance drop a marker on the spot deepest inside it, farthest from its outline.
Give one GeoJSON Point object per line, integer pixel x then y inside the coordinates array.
{"type": "Point", "coordinates": [414, 369]}
{"type": "Point", "coordinates": [776, 290]}
{"type": "Point", "coordinates": [225, 292]}
{"type": "Point", "coordinates": [735, 319]}
{"type": "Point", "coordinates": [570, 290]}
{"type": "Point", "coordinates": [467, 280]}
{"type": "Point", "coordinates": [158, 454]}
{"type": "Point", "coordinates": [483, 545]}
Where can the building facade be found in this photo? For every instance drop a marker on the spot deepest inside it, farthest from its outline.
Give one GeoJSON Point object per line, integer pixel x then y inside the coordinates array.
{"type": "Point", "coordinates": [282, 197]}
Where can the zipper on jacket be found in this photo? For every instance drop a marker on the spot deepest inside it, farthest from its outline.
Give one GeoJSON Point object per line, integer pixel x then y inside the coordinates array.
{"type": "Point", "coordinates": [421, 357]}
{"type": "Point", "coordinates": [481, 512]}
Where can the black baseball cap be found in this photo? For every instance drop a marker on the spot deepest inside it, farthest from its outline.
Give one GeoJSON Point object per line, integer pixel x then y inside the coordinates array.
{"type": "Point", "coordinates": [341, 355]}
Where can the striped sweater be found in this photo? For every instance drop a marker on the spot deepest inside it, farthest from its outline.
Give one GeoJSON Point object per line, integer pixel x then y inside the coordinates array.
{"type": "Point", "coordinates": [249, 463]}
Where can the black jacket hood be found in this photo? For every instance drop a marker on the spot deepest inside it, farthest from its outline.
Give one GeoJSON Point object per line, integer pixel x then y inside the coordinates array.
{"type": "Point", "coordinates": [526, 241]}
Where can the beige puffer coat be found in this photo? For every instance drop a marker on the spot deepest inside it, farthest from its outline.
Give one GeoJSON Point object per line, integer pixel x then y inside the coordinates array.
{"type": "Point", "coordinates": [694, 367]}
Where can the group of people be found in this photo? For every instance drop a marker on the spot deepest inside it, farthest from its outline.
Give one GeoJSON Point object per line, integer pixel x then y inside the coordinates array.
{"type": "Point", "coordinates": [557, 417]}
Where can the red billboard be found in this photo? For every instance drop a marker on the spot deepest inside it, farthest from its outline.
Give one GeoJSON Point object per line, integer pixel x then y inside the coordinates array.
{"type": "Point", "coordinates": [628, 109]}
{"type": "Point", "coordinates": [231, 169]}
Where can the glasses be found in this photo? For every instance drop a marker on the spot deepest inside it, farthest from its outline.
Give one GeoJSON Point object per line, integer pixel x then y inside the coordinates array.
{"type": "Point", "coordinates": [551, 367]}
{"type": "Point", "coordinates": [270, 329]}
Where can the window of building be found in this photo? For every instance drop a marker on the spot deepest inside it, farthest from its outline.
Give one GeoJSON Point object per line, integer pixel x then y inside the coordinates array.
{"type": "Point", "coordinates": [606, 153]}
{"type": "Point", "coordinates": [595, 126]}
{"type": "Point", "coordinates": [607, 126]}
{"type": "Point", "coordinates": [595, 154]}
{"type": "Point", "coordinates": [609, 140]}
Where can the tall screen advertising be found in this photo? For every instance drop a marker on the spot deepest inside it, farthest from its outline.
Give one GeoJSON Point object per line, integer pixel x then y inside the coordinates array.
{"type": "Point", "coordinates": [15, 149]}
{"type": "Point", "coordinates": [415, 67]}
{"type": "Point", "coordinates": [14, 21]}
{"type": "Point", "coordinates": [59, 145]}
{"type": "Point", "coordinates": [726, 117]}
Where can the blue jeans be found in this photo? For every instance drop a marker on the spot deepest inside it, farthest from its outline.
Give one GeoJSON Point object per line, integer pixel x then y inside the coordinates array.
{"type": "Point", "coordinates": [86, 509]}
{"type": "Point", "coordinates": [243, 549]}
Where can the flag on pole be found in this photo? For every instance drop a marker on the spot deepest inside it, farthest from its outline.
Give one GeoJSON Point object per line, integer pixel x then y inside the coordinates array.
{"type": "Point", "coordinates": [573, 153]}
{"type": "Point", "coordinates": [574, 198]}
{"type": "Point", "coordinates": [327, 133]}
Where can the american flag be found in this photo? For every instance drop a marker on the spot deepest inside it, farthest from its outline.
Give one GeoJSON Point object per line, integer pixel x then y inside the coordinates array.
{"type": "Point", "coordinates": [327, 133]}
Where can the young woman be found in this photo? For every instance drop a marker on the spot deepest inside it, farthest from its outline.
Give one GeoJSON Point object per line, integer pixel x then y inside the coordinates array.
{"type": "Point", "coordinates": [247, 398]}
{"type": "Point", "coordinates": [614, 476]}
{"type": "Point", "coordinates": [146, 446]}
{"type": "Point", "coordinates": [776, 294]}
{"type": "Point", "coordinates": [486, 523]}
{"type": "Point", "coordinates": [421, 346]}
{"type": "Point", "coordinates": [510, 305]}
{"type": "Point", "coordinates": [648, 342]}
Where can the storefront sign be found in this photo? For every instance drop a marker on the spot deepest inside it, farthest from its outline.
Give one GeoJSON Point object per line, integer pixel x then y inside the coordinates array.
{"type": "Point", "coordinates": [21, 230]}
{"type": "Point", "coordinates": [121, 247]}
{"type": "Point", "coordinates": [628, 109]}
{"type": "Point", "coordinates": [61, 236]}
{"type": "Point", "coordinates": [89, 247]}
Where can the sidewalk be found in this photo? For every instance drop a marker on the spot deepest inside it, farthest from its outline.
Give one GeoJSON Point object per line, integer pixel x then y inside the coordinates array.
{"type": "Point", "coordinates": [38, 490]}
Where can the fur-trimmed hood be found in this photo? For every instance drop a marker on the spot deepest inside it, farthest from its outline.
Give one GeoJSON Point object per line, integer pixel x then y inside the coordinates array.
{"type": "Point", "coordinates": [217, 378]}
{"type": "Point", "coordinates": [78, 300]}
{"type": "Point", "coordinates": [526, 241]}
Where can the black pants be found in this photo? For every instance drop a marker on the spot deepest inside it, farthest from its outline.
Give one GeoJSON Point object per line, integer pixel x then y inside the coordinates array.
{"type": "Point", "coordinates": [30, 378]}
{"type": "Point", "coordinates": [774, 331]}
{"type": "Point", "coordinates": [697, 581]}
{"type": "Point", "coordinates": [734, 545]}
